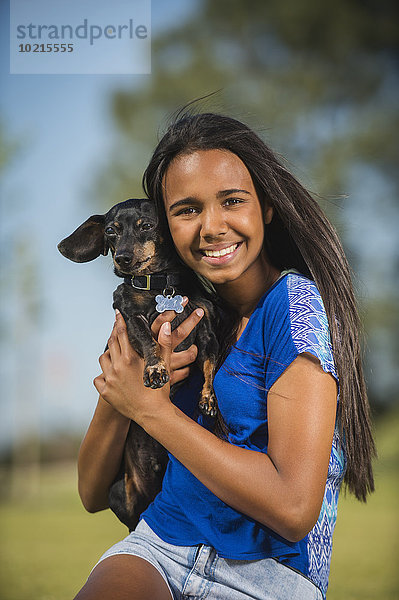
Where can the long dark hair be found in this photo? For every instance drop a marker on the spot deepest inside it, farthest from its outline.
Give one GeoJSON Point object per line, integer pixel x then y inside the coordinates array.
{"type": "Point", "coordinates": [301, 237]}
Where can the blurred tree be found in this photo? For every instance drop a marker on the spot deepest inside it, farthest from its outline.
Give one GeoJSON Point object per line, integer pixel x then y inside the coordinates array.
{"type": "Point", "coordinates": [322, 77]}
{"type": "Point", "coordinates": [8, 147]}
{"type": "Point", "coordinates": [21, 312]}
{"type": "Point", "coordinates": [25, 335]}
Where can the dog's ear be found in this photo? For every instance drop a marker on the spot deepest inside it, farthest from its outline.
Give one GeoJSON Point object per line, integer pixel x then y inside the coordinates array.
{"type": "Point", "coordinates": [86, 242]}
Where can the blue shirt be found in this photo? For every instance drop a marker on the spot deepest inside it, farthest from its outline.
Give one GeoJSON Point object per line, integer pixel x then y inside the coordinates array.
{"type": "Point", "coordinates": [289, 319]}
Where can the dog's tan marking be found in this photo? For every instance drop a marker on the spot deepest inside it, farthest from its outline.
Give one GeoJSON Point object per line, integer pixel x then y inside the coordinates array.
{"type": "Point", "coordinates": [139, 222]}
{"type": "Point", "coordinates": [146, 251]}
{"type": "Point", "coordinates": [158, 351]}
{"type": "Point", "coordinates": [156, 369]}
{"type": "Point", "coordinates": [208, 402]}
{"type": "Point", "coordinates": [133, 483]}
{"type": "Point", "coordinates": [208, 370]}
{"type": "Point", "coordinates": [140, 300]}
{"type": "Point", "coordinates": [156, 374]}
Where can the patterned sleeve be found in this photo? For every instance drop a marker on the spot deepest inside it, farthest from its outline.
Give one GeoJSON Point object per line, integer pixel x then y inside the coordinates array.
{"type": "Point", "coordinates": [309, 324]}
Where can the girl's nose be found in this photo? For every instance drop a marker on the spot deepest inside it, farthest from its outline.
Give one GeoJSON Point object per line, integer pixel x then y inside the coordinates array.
{"type": "Point", "coordinates": [213, 223]}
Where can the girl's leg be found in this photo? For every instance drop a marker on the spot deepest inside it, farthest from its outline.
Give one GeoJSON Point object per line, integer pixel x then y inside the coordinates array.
{"type": "Point", "coordinates": [124, 577]}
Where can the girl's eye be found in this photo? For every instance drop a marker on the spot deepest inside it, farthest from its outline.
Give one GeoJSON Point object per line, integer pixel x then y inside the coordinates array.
{"type": "Point", "coordinates": [110, 231]}
{"type": "Point", "coordinates": [189, 210]}
{"type": "Point", "coordinates": [145, 226]}
{"type": "Point", "coordinates": [233, 201]}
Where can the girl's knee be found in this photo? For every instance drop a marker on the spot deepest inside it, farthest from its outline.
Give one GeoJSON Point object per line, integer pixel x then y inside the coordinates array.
{"type": "Point", "coordinates": [124, 577]}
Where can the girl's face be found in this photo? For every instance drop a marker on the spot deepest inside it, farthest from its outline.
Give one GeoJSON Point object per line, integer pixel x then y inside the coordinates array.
{"type": "Point", "coordinates": [215, 217]}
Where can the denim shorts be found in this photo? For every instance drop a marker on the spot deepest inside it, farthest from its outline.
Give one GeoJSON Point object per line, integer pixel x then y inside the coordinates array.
{"type": "Point", "coordinates": [198, 572]}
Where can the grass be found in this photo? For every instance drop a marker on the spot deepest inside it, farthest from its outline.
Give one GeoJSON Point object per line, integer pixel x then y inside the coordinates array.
{"type": "Point", "coordinates": [366, 540]}
{"type": "Point", "coordinates": [49, 543]}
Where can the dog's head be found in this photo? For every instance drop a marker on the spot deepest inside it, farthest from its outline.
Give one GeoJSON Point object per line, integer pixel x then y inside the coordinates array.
{"type": "Point", "coordinates": [129, 230]}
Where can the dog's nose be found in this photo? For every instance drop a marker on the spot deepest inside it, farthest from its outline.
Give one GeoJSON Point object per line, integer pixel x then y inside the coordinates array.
{"type": "Point", "coordinates": [123, 260]}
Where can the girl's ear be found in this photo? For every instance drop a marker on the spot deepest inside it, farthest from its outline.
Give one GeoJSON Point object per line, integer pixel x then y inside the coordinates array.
{"type": "Point", "coordinates": [268, 214]}
{"type": "Point", "coordinates": [86, 242]}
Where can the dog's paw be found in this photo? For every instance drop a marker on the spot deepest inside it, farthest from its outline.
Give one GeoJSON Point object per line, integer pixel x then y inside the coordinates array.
{"type": "Point", "coordinates": [208, 404]}
{"type": "Point", "coordinates": [155, 376]}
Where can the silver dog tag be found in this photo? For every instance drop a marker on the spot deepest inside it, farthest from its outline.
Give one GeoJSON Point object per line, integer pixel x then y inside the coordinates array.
{"type": "Point", "coordinates": [168, 302]}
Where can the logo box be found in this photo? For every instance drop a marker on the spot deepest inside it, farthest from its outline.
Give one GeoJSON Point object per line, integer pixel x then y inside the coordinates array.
{"type": "Point", "coordinates": [91, 37]}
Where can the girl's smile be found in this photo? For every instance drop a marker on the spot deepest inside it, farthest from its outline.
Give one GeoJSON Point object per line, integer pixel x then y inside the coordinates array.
{"type": "Point", "coordinates": [220, 254]}
{"type": "Point", "coordinates": [217, 222]}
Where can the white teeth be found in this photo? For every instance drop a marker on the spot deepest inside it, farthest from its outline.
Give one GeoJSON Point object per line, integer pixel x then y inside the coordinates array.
{"type": "Point", "coordinates": [228, 250]}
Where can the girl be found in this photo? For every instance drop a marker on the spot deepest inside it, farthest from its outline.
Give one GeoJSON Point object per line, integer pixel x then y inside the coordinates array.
{"type": "Point", "coordinates": [250, 515]}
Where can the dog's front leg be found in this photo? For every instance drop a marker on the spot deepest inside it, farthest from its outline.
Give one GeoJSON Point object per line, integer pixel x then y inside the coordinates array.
{"type": "Point", "coordinates": [133, 308]}
{"type": "Point", "coordinates": [155, 371]}
{"type": "Point", "coordinates": [208, 348]}
{"type": "Point", "coordinates": [140, 336]}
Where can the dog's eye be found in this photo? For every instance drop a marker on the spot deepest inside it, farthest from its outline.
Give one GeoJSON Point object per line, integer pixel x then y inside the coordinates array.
{"type": "Point", "coordinates": [145, 226]}
{"type": "Point", "coordinates": [110, 231]}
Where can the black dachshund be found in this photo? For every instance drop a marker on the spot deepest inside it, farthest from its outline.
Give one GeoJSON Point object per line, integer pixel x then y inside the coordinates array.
{"type": "Point", "coordinates": [153, 274]}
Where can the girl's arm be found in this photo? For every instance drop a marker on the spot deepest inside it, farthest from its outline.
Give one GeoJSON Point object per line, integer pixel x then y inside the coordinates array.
{"type": "Point", "coordinates": [100, 455]}
{"type": "Point", "coordinates": [102, 448]}
{"type": "Point", "coordinates": [282, 489]}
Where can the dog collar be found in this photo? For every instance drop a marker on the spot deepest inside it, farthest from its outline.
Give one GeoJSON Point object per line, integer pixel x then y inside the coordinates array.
{"type": "Point", "coordinates": [168, 300]}
{"type": "Point", "coordinates": [157, 281]}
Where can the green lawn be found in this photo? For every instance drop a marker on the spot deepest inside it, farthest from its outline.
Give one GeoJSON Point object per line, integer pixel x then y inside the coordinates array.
{"type": "Point", "coordinates": [49, 543]}
{"type": "Point", "coordinates": [366, 540]}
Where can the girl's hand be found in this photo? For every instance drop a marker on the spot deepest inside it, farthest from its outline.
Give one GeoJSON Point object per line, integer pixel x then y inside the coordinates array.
{"type": "Point", "coordinates": [121, 381]}
{"type": "Point", "coordinates": [179, 361]}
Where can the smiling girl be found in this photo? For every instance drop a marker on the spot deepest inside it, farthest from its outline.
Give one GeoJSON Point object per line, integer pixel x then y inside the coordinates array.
{"type": "Point", "coordinates": [251, 514]}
